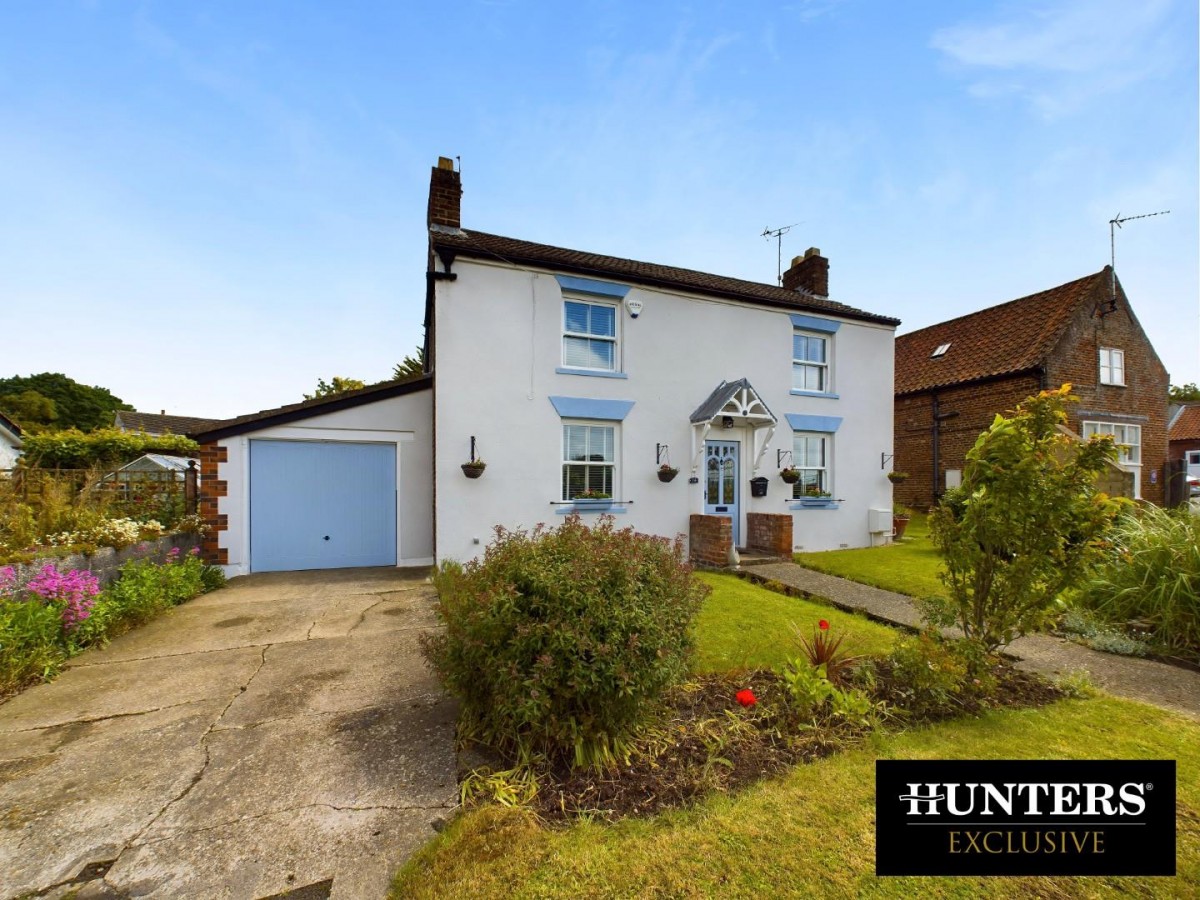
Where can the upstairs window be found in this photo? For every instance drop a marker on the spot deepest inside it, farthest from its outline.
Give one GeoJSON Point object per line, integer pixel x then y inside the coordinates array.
{"type": "Point", "coordinates": [810, 362]}
{"type": "Point", "coordinates": [589, 335]}
{"type": "Point", "coordinates": [1112, 366]}
{"type": "Point", "coordinates": [589, 460]}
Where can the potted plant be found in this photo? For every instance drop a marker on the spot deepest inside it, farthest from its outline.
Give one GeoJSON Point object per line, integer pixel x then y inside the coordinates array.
{"type": "Point", "coordinates": [474, 468]}
{"type": "Point", "coordinates": [897, 477]}
{"type": "Point", "coordinates": [789, 475]}
{"type": "Point", "coordinates": [900, 516]}
{"type": "Point", "coordinates": [667, 472]}
{"type": "Point", "coordinates": [592, 500]}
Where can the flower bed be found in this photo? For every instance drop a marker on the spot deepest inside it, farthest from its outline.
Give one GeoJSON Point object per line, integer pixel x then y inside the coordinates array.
{"type": "Point", "coordinates": [52, 611]}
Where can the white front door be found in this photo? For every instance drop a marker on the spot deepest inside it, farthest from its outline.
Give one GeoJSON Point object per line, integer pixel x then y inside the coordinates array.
{"type": "Point", "coordinates": [721, 482]}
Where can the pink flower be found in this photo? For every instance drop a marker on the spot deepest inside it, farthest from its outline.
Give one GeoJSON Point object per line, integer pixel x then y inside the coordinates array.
{"type": "Point", "coordinates": [746, 698]}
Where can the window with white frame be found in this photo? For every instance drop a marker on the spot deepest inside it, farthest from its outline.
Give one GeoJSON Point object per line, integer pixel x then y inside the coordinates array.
{"type": "Point", "coordinates": [589, 335]}
{"type": "Point", "coordinates": [1128, 440]}
{"type": "Point", "coordinates": [1112, 366]}
{"type": "Point", "coordinates": [589, 460]}
{"type": "Point", "coordinates": [811, 456]}
{"type": "Point", "coordinates": [810, 362]}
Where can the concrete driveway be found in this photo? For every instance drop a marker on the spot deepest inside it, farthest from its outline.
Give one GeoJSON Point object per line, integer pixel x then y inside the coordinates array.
{"type": "Point", "coordinates": [281, 735]}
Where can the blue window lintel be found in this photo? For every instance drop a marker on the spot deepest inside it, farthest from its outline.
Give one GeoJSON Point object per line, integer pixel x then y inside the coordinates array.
{"type": "Point", "coordinates": [812, 323]}
{"type": "Point", "coordinates": [591, 408]}
{"type": "Point", "coordinates": [591, 286]}
{"type": "Point", "coordinates": [828, 424]}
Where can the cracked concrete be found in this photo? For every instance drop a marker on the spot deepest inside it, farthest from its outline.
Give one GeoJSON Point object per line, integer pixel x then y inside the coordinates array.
{"type": "Point", "coordinates": [278, 733]}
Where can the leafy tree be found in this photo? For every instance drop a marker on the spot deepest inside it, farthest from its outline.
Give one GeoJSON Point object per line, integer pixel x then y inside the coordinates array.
{"type": "Point", "coordinates": [32, 411]}
{"type": "Point", "coordinates": [339, 385]}
{"type": "Point", "coordinates": [77, 405]}
{"type": "Point", "coordinates": [410, 365]}
{"type": "Point", "coordinates": [1186, 393]}
{"type": "Point", "coordinates": [1027, 522]}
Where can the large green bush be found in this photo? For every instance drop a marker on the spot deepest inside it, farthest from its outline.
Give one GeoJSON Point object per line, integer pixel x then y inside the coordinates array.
{"type": "Point", "coordinates": [1152, 574]}
{"type": "Point", "coordinates": [74, 449]}
{"type": "Point", "coordinates": [561, 641]}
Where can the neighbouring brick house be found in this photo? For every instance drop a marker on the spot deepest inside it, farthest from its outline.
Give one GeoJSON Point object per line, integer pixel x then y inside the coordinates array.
{"type": "Point", "coordinates": [954, 377]}
{"type": "Point", "coordinates": [1184, 437]}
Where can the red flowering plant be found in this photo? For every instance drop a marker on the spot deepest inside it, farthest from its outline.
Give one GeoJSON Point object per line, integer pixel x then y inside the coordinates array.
{"type": "Point", "coordinates": [825, 650]}
{"type": "Point", "coordinates": [746, 698]}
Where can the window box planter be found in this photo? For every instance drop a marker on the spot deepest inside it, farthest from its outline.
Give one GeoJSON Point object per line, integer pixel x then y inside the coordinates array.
{"type": "Point", "coordinates": [816, 501]}
{"type": "Point", "coordinates": [592, 505]}
{"type": "Point", "coordinates": [473, 469]}
{"type": "Point", "coordinates": [666, 474]}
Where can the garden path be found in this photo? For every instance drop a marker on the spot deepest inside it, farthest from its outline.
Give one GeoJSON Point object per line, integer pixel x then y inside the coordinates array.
{"type": "Point", "coordinates": [1160, 684]}
{"type": "Point", "coordinates": [279, 737]}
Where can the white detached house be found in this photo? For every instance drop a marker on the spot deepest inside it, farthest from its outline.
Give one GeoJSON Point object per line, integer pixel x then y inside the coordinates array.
{"type": "Point", "coordinates": [575, 378]}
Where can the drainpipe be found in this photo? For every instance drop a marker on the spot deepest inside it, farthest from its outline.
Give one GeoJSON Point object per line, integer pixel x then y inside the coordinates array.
{"type": "Point", "coordinates": [938, 417]}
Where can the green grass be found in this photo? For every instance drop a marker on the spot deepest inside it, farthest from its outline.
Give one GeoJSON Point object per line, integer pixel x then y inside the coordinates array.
{"type": "Point", "coordinates": [910, 566]}
{"type": "Point", "coordinates": [744, 626]}
{"type": "Point", "coordinates": [810, 833]}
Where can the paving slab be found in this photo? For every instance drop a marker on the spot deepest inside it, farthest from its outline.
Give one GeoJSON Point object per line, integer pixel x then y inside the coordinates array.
{"type": "Point", "coordinates": [279, 734]}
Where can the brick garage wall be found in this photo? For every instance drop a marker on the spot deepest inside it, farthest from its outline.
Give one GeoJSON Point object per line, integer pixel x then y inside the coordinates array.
{"type": "Point", "coordinates": [976, 404]}
{"type": "Point", "coordinates": [212, 491]}
{"type": "Point", "coordinates": [1180, 449]}
{"type": "Point", "coordinates": [1144, 396]}
{"type": "Point", "coordinates": [770, 533]}
{"type": "Point", "coordinates": [709, 540]}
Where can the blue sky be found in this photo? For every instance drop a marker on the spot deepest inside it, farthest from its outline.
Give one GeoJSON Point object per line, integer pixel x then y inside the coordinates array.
{"type": "Point", "coordinates": [206, 206]}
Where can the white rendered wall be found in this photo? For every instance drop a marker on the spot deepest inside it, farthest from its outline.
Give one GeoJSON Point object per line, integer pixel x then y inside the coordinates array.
{"type": "Point", "coordinates": [498, 342]}
{"type": "Point", "coordinates": [405, 421]}
{"type": "Point", "coordinates": [8, 452]}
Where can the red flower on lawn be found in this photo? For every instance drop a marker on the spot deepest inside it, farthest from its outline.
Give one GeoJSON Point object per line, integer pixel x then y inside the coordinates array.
{"type": "Point", "coordinates": [823, 625]}
{"type": "Point", "coordinates": [746, 697]}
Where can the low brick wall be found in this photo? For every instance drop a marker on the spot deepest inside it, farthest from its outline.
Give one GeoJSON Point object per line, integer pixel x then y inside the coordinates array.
{"type": "Point", "coordinates": [709, 540]}
{"type": "Point", "coordinates": [769, 533]}
{"type": "Point", "coordinates": [106, 562]}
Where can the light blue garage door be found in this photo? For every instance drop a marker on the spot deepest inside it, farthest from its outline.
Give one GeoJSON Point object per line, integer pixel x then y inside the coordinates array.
{"type": "Point", "coordinates": [318, 505]}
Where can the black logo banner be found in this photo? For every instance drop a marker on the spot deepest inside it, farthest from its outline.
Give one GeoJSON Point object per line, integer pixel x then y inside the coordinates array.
{"type": "Point", "coordinates": [1025, 817]}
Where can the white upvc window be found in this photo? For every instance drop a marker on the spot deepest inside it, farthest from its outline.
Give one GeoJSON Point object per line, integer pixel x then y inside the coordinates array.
{"type": "Point", "coordinates": [1128, 440]}
{"type": "Point", "coordinates": [589, 335]}
{"type": "Point", "coordinates": [812, 455]}
{"type": "Point", "coordinates": [810, 362]}
{"type": "Point", "coordinates": [1112, 366]}
{"type": "Point", "coordinates": [589, 460]}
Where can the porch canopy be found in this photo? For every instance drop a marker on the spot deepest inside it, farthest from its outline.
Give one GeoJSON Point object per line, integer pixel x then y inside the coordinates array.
{"type": "Point", "coordinates": [740, 403]}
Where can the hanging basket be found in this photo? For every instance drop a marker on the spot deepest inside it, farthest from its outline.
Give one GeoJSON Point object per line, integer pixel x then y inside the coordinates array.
{"type": "Point", "coordinates": [897, 477]}
{"type": "Point", "coordinates": [666, 473]}
{"type": "Point", "coordinates": [473, 469]}
{"type": "Point", "coordinates": [789, 476]}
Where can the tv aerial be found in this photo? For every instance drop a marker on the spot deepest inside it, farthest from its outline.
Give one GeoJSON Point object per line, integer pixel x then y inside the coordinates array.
{"type": "Point", "coordinates": [778, 234]}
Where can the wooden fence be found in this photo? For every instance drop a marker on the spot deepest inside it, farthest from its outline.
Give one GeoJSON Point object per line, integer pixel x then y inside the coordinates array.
{"type": "Point", "coordinates": [166, 495]}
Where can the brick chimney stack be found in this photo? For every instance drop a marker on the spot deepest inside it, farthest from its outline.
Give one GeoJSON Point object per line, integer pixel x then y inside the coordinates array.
{"type": "Point", "coordinates": [445, 195]}
{"type": "Point", "coordinates": [809, 272]}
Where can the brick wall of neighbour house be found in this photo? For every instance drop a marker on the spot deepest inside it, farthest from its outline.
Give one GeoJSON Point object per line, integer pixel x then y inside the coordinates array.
{"type": "Point", "coordinates": [211, 492]}
{"type": "Point", "coordinates": [709, 540]}
{"type": "Point", "coordinates": [976, 404]}
{"type": "Point", "coordinates": [769, 533]}
{"type": "Point", "coordinates": [1077, 360]}
{"type": "Point", "coordinates": [1180, 449]}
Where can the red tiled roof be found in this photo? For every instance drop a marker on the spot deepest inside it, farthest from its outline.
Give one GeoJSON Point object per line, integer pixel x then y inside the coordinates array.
{"type": "Point", "coordinates": [1187, 425]}
{"type": "Point", "coordinates": [490, 246]}
{"type": "Point", "coordinates": [1013, 337]}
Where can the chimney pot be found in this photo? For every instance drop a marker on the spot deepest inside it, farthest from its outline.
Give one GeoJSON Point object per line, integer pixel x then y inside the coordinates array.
{"type": "Point", "coordinates": [812, 251]}
{"type": "Point", "coordinates": [445, 162]}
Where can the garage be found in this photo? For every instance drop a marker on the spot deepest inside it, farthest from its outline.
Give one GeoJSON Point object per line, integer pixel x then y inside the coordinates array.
{"type": "Point", "coordinates": [322, 505]}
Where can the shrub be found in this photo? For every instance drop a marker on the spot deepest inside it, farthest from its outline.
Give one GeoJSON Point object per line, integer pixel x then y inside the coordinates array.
{"type": "Point", "coordinates": [931, 677]}
{"type": "Point", "coordinates": [1152, 573]}
{"type": "Point", "coordinates": [824, 650]}
{"type": "Point", "coordinates": [814, 696]}
{"type": "Point", "coordinates": [1026, 524]}
{"type": "Point", "coordinates": [30, 645]}
{"type": "Point", "coordinates": [1083, 625]}
{"type": "Point", "coordinates": [74, 449]}
{"type": "Point", "coordinates": [560, 641]}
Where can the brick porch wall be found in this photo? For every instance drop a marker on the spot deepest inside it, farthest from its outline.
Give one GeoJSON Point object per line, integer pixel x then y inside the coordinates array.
{"type": "Point", "coordinates": [769, 533]}
{"type": "Point", "coordinates": [211, 492]}
{"type": "Point", "coordinates": [709, 540]}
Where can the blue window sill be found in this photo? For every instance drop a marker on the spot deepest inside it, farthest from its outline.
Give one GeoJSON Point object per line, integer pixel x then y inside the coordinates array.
{"type": "Point", "coordinates": [827, 504]}
{"type": "Point", "coordinates": [814, 394]}
{"type": "Point", "coordinates": [563, 370]}
{"type": "Point", "coordinates": [611, 507]}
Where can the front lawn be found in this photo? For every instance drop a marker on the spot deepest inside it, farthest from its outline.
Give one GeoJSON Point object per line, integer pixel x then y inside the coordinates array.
{"type": "Point", "coordinates": [744, 626]}
{"type": "Point", "coordinates": [809, 832]}
{"type": "Point", "coordinates": [909, 566]}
